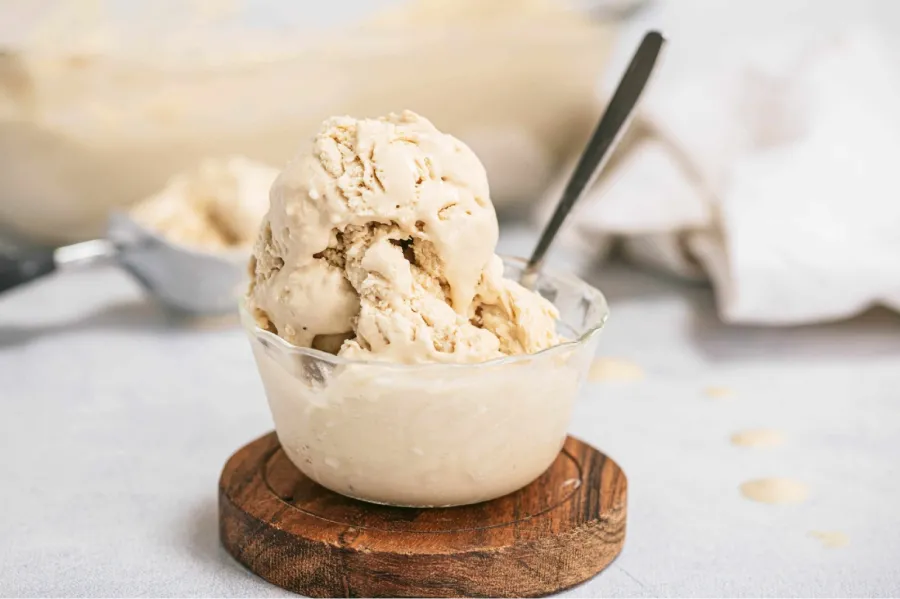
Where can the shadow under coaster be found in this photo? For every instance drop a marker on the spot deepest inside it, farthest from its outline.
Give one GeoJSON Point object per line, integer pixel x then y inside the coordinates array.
{"type": "Point", "coordinates": [557, 532]}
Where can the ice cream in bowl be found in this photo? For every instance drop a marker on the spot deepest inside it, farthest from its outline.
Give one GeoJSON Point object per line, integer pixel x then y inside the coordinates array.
{"type": "Point", "coordinates": [402, 362]}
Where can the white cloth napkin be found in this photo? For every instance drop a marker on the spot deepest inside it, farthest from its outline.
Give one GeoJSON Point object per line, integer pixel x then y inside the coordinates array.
{"type": "Point", "coordinates": [775, 173]}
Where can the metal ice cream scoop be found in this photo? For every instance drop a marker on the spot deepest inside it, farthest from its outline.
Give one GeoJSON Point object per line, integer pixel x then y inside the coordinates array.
{"type": "Point", "coordinates": [183, 279]}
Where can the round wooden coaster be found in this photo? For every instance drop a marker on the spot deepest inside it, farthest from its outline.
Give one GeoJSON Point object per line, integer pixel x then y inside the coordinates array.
{"type": "Point", "coordinates": [555, 533]}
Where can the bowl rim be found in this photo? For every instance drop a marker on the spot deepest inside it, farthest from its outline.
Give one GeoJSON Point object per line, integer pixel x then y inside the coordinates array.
{"type": "Point", "coordinates": [249, 324]}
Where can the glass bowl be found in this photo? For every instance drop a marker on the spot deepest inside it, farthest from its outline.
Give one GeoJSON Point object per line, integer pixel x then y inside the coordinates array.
{"type": "Point", "coordinates": [430, 435]}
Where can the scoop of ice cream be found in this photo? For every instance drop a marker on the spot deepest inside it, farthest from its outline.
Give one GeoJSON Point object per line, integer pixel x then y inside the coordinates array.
{"type": "Point", "coordinates": [382, 238]}
{"type": "Point", "coordinates": [217, 206]}
{"type": "Point", "coordinates": [522, 320]}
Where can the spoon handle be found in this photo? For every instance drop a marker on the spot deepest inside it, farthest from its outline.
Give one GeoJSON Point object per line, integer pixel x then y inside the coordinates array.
{"type": "Point", "coordinates": [608, 132]}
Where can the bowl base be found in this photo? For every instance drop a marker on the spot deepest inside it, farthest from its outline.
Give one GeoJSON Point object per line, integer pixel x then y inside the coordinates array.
{"type": "Point", "coordinates": [557, 532]}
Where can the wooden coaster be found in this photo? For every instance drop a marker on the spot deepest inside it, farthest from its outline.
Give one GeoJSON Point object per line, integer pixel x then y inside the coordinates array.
{"type": "Point", "coordinates": [555, 533]}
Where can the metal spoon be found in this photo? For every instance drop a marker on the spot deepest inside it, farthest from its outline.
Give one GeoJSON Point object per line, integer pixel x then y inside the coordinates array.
{"type": "Point", "coordinates": [609, 131]}
{"type": "Point", "coordinates": [184, 280]}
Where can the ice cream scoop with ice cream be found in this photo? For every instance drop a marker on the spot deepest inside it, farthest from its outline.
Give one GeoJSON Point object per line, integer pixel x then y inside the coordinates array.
{"type": "Point", "coordinates": [379, 244]}
{"type": "Point", "coordinates": [214, 207]}
{"type": "Point", "coordinates": [450, 383]}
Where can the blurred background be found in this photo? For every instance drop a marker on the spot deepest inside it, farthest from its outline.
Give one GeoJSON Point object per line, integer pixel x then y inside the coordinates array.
{"type": "Point", "coordinates": [759, 109]}
{"type": "Point", "coordinates": [104, 100]}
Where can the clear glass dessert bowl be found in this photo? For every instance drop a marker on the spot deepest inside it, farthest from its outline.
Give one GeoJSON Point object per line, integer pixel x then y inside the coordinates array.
{"type": "Point", "coordinates": [429, 435]}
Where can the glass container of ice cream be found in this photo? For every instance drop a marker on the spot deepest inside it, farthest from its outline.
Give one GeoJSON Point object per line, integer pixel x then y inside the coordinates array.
{"type": "Point", "coordinates": [102, 102]}
{"type": "Point", "coordinates": [428, 435]}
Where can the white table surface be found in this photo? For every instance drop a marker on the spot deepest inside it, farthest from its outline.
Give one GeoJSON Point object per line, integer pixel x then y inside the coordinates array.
{"type": "Point", "coordinates": [114, 425]}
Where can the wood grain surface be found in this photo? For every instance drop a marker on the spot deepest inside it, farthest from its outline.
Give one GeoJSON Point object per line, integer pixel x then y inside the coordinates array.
{"type": "Point", "coordinates": [555, 533]}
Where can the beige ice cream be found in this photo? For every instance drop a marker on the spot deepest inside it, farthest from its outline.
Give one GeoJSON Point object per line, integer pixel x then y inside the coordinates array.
{"type": "Point", "coordinates": [379, 247]}
{"type": "Point", "coordinates": [217, 206]}
{"type": "Point", "coordinates": [379, 244]}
